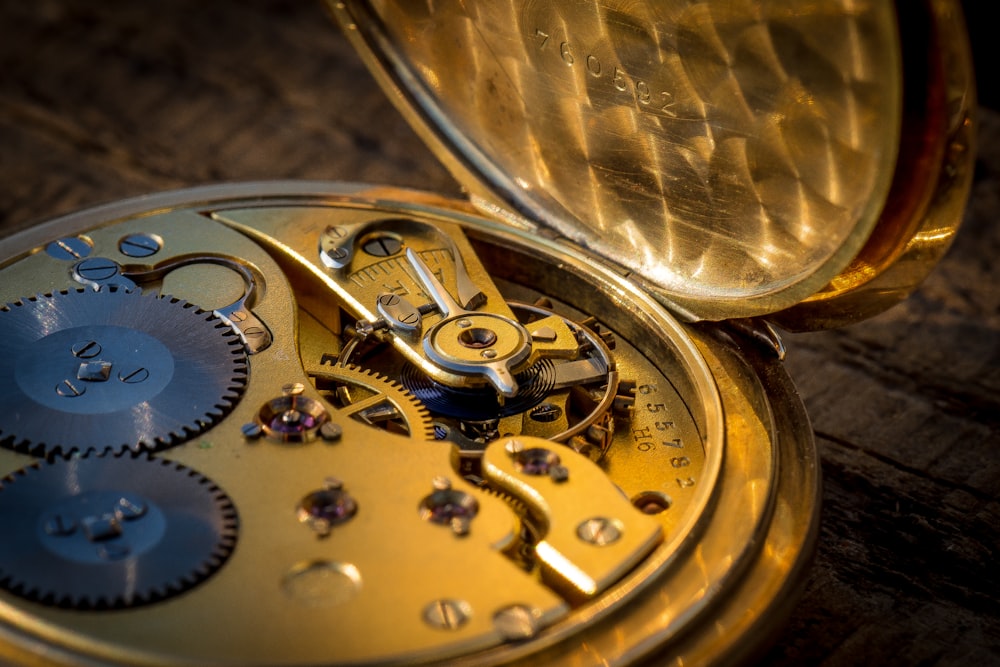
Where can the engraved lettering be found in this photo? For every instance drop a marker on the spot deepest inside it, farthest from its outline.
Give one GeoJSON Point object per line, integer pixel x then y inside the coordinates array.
{"type": "Point", "coordinates": [642, 433]}
{"type": "Point", "coordinates": [594, 66]}
{"type": "Point", "coordinates": [643, 439]}
{"type": "Point", "coordinates": [566, 53]}
{"type": "Point", "coordinates": [668, 102]}
{"type": "Point", "coordinates": [642, 91]}
{"type": "Point", "coordinates": [619, 80]}
{"type": "Point", "coordinates": [646, 96]}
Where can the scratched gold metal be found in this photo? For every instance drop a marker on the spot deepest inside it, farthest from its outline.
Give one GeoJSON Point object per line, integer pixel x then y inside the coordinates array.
{"type": "Point", "coordinates": [738, 157]}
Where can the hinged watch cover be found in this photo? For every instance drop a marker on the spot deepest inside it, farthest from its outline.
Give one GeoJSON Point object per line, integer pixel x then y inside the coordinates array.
{"type": "Point", "coordinates": [740, 159]}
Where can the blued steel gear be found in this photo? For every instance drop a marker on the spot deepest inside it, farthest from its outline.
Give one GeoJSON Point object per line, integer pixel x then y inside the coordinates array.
{"type": "Point", "coordinates": [111, 368]}
{"type": "Point", "coordinates": [106, 531]}
{"type": "Point", "coordinates": [374, 399]}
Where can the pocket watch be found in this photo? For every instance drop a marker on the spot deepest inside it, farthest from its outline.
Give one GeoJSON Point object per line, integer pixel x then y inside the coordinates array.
{"type": "Point", "coordinates": [312, 423]}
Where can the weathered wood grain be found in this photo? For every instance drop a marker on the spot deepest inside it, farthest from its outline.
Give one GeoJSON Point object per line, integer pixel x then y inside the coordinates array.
{"type": "Point", "coordinates": [100, 101]}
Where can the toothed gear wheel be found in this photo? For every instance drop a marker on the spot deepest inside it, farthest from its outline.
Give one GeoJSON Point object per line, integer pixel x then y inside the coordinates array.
{"type": "Point", "coordinates": [375, 400]}
{"type": "Point", "coordinates": [112, 368]}
{"type": "Point", "coordinates": [106, 531]}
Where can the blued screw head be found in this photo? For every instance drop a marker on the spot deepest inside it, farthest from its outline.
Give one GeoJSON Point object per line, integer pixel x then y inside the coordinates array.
{"type": "Point", "coordinates": [96, 269]}
{"type": "Point", "coordinates": [140, 245]}
{"type": "Point", "coordinates": [69, 248]}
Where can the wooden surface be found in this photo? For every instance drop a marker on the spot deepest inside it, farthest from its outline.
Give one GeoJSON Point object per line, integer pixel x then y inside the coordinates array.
{"type": "Point", "coordinates": [100, 101]}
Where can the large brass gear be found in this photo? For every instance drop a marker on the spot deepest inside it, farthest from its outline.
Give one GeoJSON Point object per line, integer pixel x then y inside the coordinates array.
{"type": "Point", "coordinates": [374, 399]}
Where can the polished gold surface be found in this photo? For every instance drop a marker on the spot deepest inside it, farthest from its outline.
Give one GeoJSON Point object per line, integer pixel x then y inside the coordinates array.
{"type": "Point", "coordinates": [737, 158]}
{"type": "Point", "coordinates": [734, 155]}
{"type": "Point", "coordinates": [684, 536]}
{"type": "Point", "coordinates": [933, 177]}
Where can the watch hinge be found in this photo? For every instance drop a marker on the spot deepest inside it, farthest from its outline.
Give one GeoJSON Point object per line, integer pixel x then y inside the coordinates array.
{"type": "Point", "coordinates": [760, 332]}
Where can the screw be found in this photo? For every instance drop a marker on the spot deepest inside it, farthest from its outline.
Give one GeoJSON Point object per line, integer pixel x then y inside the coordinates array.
{"type": "Point", "coordinates": [72, 247]}
{"type": "Point", "coordinates": [86, 349]}
{"type": "Point", "coordinates": [254, 332]}
{"type": "Point", "coordinates": [337, 254]}
{"type": "Point", "coordinates": [139, 245]}
{"type": "Point", "coordinates": [96, 269]}
{"type": "Point", "coordinates": [382, 246]}
{"type": "Point", "coordinates": [252, 430]}
{"type": "Point", "coordinates": [517, 621]}
{"type": "Point", "coordinates": [331, 432]}
{"type": "Point", "coordinates": [447, 614]}
{"type": "Point", "coordinates": [489, 354]}
{"type": "Point", "coordinates": [334, 232]}
{"type": "Point", "coordinates": [135, 377]}
{"type": "Point", "coordinates": [465, 324]}
{"type": "Point", "coordinates": [546, 412]}
{"type": "Point", "coordinates": [599, 531]}
{"type": "Point", "coordinates": [67, 389]}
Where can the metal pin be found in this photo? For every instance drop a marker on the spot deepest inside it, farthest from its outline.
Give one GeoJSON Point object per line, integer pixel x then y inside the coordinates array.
{"type": "Point", "coordinates": [331, 431]}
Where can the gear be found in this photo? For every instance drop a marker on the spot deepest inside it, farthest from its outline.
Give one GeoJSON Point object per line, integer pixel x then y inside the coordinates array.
{"type": "Point", "coordinates": [106, 531]}
{"type": "Point", "coordinates": [375, 400]}
{"type": "Point", "coordinates": [111, 368]}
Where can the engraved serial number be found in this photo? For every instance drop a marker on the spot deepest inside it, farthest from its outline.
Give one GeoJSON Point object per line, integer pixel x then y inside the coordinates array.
{"type": "Point", "coordinates": [645, 96]}
{"type": "Point", "coordinates": [659, 436]}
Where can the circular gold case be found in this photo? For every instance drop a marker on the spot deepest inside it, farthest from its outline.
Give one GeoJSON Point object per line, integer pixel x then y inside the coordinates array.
{"type": "Point", "coordinates": [669, 179]}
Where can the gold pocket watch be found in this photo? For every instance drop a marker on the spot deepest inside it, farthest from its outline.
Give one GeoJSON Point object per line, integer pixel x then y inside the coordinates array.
{"type": "Point", "coordinates": [301, 423]}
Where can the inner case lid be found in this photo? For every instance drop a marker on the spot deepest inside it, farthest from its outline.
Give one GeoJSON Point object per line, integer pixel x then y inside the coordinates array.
{"type": "Point", "coordinates": [735, 155]}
